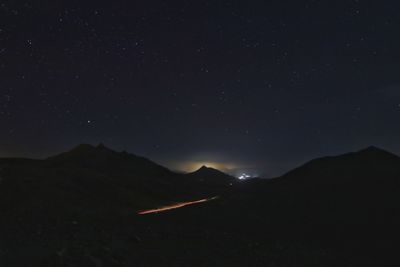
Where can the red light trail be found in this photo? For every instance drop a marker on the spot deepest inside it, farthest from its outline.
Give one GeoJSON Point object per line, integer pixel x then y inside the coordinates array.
{"type": "Point", "coordinates": [175, 206]}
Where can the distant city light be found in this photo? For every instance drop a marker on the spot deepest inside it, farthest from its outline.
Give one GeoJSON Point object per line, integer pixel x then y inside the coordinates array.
{"type": "Point", "coordinates": [244, 176]}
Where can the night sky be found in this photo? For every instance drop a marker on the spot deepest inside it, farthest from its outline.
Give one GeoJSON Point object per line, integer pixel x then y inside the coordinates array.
{"type": "Point", "coordinates": [251, 86]}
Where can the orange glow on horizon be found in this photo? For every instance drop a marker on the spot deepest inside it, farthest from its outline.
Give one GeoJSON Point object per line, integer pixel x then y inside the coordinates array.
{"type": "Point", "coordinates": [191, 166]}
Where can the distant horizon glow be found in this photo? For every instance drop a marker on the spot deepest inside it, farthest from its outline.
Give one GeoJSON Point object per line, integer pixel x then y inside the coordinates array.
{"type": "Point", "coordinates": [191, 166]}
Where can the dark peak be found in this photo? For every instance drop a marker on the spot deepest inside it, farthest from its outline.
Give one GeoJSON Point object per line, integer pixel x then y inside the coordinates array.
{"type": "Point", "coordinates": [101, 146]}
{"type": "Point", "coordinates": [101, 157]}
{"type": "Point", "coordinates": [84, 147]}
{"type": "Point", "coordinates": [203, 168]}
{"type": "Point", "coordinates": [85, 150]}
{"type": "Point", "coordinates": [90, 148]}
{"type": "Point", "coordinates": [373, 150]}
{"type": "Point", "coordinates": [212, 175]}
{"type": "Point", "coordinates": [79, 150]}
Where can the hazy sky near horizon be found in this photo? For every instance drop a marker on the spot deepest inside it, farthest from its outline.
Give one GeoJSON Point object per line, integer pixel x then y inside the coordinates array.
{"type": "Point", "coordinates": [255, 86]}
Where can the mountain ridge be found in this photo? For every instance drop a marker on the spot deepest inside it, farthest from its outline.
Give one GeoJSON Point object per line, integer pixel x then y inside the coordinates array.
{"type": "Point", "coordinates": [49, 202]}
{"type": "Point", "coordinates": [87, 170]}
{"type": "Point", "coordinates": [367, 162]}
{"type": "Point", "coordinates": [212, 175]}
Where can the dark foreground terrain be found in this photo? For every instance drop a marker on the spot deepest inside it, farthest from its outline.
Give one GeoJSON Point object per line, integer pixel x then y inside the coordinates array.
{"type": "Point", "coordinates": [80, 209]}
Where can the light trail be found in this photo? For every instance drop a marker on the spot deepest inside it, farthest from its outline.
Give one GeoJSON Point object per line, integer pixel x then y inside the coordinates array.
{"type": "Point", "coordinates": [176, 206]}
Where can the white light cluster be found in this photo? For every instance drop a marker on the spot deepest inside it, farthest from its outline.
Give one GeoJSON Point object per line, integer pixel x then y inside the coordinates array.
{"type": "Point", "coordinates": [244, 176]}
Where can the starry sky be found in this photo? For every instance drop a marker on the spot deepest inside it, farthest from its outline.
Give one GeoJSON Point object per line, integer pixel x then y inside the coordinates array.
{"type": "Point", "coordinates": [246, 86]}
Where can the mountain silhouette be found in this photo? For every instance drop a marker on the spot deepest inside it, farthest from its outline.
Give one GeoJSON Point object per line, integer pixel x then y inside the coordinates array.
{"type": "Point", "coordinates": [95, 179]}
{"type": "Point", "coordinates": [80, 207]}
{"type": "Point", "coordinates": [328, 211]}
{"type": "Point", "coordinates": [352, 194]}
{"type": "Point", "coordinates": [367, 169]}
{"type": "Point", "coordinates": [363, 173]}
{"type": "Point", "coordinates": [106, 160]}
{"type": "Point", "coordinates": [210, 175]}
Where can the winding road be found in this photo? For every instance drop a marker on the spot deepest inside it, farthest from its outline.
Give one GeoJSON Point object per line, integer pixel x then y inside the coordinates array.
{"type": "Point", "coordinates": [176, 206]}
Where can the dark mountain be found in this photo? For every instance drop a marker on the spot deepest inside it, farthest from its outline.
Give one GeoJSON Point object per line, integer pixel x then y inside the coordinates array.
{"type": "Point", "coordinates": [94, 178]}
{"type": "Point", "coordinates": [334, 209]}
{"type": "Point", "coordinates": [354, 187]}
{"type": "Point", "coordinates": [106, 160]}
{"type": "Point", "coordinates": [78, 208]}
{"type": "Point", "coordinates": [365, 166]}
{"type": "Point", "coordinates": [209, 175]}
{"type": "Point", "coordinates": [370, 167]}
{"type": "Point", "coordinates": [79, 199]}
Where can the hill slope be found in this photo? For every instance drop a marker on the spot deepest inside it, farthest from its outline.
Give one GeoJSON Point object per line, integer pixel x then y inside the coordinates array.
{"type": "Point", "coordinates": [93, 179]}
{"type": "Point", "coordinates": [209, 175]}
{"type": "Point", "coordinates": [357, 186]}
{"type": "Point", "coordinates": [332, 211]}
